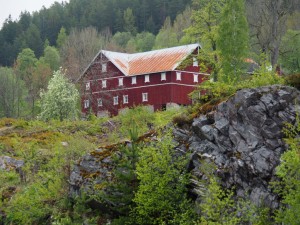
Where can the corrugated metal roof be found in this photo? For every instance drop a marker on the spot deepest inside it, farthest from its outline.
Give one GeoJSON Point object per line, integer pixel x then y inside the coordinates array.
{"type": "Point", "coordinates": [150, 62]}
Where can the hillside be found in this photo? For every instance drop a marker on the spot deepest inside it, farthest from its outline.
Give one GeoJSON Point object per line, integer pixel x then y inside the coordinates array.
{"type": "Point", "coordinates": [42, 173]}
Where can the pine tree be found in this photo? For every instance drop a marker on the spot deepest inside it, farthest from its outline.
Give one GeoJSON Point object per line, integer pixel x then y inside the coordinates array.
{"type": "Point", "coordinates": [233, 40]}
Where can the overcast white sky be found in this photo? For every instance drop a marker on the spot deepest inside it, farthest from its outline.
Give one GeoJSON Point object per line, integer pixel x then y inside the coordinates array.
{"type": "Point", "coordinates": [15, 7]}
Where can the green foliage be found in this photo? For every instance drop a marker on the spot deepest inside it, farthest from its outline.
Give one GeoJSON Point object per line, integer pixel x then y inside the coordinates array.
{"type": "Point", "coordinates": [293, 80]}
{"type": "Point", "coordinates": [140, 115]}
{"type": "Point", "coordinates": [233, 40]}
{"type": "Point", "coordinates": [61, 37]}
{"type": "Point", "coordinates": [205, 22]}
{"type": "Point", "coordinates": [33, 204]}
{"type": "Point", "coordinates": [289, 173]}
{"type": "Point", "coordinates": [40, 195]}
{"type": "Point", "coordinates": [122, 38]}
{"type": "Point", "coordinates": [221, 90]}
{"type": "Point", "coordinates": [60, 100]}
{"type": "Point", "coordinates": [144, 41]}
{"type": "Point", "coordinates": [12, 91]}
{"type": "Point", "coordinates": [161, 195]}
{"type": "Point", "coordinates": [120, 193]}
{"type": "Point", "coordinates": [25, 63]}
{"type": "Point", "coordinates": [166, 36]}
{"type": "Point", "coordinates": [217, 206]}
{"type": "Point", "coordinates": [51, 56]}
{"type": "Point", "coordinates": [129, 21]}
{"type": "Point", "coordinates": [290, 57]}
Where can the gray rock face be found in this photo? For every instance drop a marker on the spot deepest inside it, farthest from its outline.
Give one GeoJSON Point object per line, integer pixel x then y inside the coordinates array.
{"type": "Point", "coordinates": [9, 163]}
{"type": "Point", "coordinates": [92, 170]}
{"type": "Point", "coordinates": [245, 140]}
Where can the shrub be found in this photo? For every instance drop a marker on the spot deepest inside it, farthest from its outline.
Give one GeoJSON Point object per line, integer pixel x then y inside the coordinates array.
{"type": "Point", "coordinates": [293, 80]}
{"type": "Point", "coordinates": [289, 172]}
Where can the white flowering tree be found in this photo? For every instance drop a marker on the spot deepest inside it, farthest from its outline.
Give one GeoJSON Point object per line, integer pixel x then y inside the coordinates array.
{"type": "Point", "coordinates": [60, 100]}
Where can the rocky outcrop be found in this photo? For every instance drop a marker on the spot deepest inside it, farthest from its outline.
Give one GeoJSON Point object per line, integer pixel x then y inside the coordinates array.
{"type": "Point", "coordinates": [243, 137]}
{"type": "Point", "coordinates": [95, 170]}
{"type": "Point", "coordinates": [92, 170]}
{"type": "Point", "coordinates": [9, 163]}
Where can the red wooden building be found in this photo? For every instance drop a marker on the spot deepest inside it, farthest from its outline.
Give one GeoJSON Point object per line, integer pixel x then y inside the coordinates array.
{"type": "Point", "coordinates": [160, 79]}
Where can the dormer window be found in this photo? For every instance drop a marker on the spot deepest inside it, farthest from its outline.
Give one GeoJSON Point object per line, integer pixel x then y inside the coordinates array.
{"type": "Point", "coordinates": [178, 75]}
{"type": "Point", "coordinates": [133, 80]}
{"type": "Point", "coordinates": [120, 81]}
{"type": "Point", "coordinates": [104, 67]}
{"type": "Point", "coordinates": [163, 76]}
{"type": "Point", "coordinates": [104, 84]}
{"type": "Point", "coordinates": [87, 86]}
{"type": "Point", "coordinates": [195, 61]}
{"type": "Point", "coordinates": [147, 78]}
{"type": "Point", "coordinates": [195, 78]}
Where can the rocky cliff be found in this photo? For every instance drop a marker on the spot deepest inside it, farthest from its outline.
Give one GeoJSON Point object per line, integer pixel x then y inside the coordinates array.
{"type": "Point", "coordinates": [243, 137]}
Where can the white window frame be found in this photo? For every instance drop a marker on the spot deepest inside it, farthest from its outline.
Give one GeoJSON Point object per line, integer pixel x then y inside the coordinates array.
{"type": "Point", "coordinates": [86, 103]}
{"type": "Point", "coordinates": [88, 86]}
{"type": "Point", "coordinates": [195, 61]}
{"type": "Point", "coordinates": [121, 81]}
{"type": "Point", "coordinates": [196, 80]}
{"type": "Point", "coordinates": [163, 76]}
{"type": "Point", "coordinates": [125, 99]}
{"type": "Point", "coordinates": [147, 78]}
{"type": "Point", "coordinates": [104, 67]}
{"type": "Point", "coordinates": [133, 80]}
{"type": "Point", "coordinates": [145, 97]}
{"type": "Point", "coordinates": [116, 100]}
{"type": "Point", "coordinates": [99, 102]}
{"type": "Point", "coordinates": [104, 84]}
{"type": "Point", "coordinates": [178, 75]}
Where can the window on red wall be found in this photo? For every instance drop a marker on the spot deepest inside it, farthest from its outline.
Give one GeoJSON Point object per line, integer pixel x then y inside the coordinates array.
{"type": "Point", "coordinates": [120, 81]}
{"type": "Point", "coordinates": [116, 100]}
{"type": "Point", "coordinates": [87, 86]}
{"type": "Point", "coordinates": [133, 80]}
{"type": "Point", "coordinates": [147, 78]}
{"type": "Point", "coordinates": [145, 97]}
{"type": "Point", "coordinates": [178, 75]}
{"type": "Point", "coordinates": [86, 103]}
{"type": "Point", "coordinates": [125, 99]}
{"type": "Point", "coordinates": [104, 67]}
{"type": "Point", "coordinates": [196, 78]}
{"type": "Point", "coordinates": [104, 84]}
{"type": "Point", "coordinates": [195, 61]}
{"type": "Point", "coordinates": [100, 103]}
{"type": "Point", "coordinates": [163, 76]}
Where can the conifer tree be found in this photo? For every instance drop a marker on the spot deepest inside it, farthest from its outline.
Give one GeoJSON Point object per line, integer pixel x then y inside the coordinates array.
{"type": "Point", "coordinates": [233, 39]}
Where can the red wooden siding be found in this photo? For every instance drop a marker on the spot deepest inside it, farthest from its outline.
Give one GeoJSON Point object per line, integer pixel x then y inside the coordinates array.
{"type": "Point", "coordinates": [160, 92]}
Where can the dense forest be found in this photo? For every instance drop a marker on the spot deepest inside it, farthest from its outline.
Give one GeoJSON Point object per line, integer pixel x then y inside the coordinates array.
{"type": "Point", "coordinates": [32, 30]}
{"type": "Point", "coordinates": [145, 174]}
